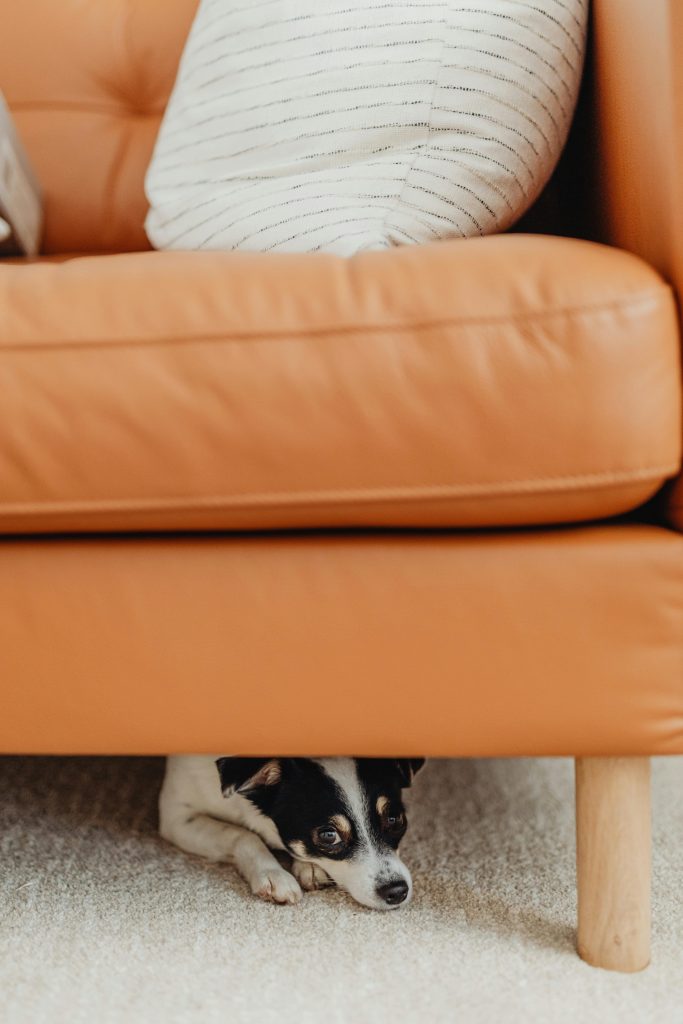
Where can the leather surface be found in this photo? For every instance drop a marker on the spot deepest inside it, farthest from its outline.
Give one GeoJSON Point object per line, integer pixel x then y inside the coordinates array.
{"type": "Point", "coordinates": [638, 114]}
{"type": "Point", "coordinates": [87, 84]}
{"type": "Point", "coordinates": [566, 642]}
{"type": "Point", "coordinates": [508, 380]}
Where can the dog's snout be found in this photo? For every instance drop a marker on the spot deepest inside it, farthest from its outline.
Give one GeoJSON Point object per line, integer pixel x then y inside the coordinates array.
{"type": "Point", "coordinates": [394, 892]}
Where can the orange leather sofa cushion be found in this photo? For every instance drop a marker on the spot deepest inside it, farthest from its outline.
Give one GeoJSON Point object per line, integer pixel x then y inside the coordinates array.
{"type": "Point", "coordinates": [526, 643]}
{"type": "Point", "coordinates": [508, 380]}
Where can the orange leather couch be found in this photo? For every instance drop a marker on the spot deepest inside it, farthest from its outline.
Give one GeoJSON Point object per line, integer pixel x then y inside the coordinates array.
{"type": "Point", "coordinates": [409, 503]}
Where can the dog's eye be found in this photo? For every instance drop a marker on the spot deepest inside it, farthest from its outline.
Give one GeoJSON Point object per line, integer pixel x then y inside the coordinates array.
{"type": "Point", "coordinates": [395, 822]}
{"type": "Point", "coordinates": [327, 837]}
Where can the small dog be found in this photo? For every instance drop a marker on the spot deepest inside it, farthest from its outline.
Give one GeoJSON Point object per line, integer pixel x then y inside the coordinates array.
{"type": "Point", "coordinates": [340, 819]}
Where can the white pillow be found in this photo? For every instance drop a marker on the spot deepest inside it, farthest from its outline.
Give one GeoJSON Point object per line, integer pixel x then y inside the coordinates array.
{"type": "Point", "coordinates": [342, 125]}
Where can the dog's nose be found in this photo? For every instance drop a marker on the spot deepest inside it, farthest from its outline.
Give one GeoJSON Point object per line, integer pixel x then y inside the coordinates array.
{"type": "Point", "coordinates": [393, 892]}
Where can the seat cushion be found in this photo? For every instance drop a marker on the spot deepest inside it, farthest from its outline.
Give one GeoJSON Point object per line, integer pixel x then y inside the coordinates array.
{"type": "Point", "coordinates": [563, 641]}
{"type": "Point", "coordinates": [487, 382]}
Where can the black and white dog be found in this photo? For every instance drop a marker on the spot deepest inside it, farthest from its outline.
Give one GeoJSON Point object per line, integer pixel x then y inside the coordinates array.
{"type": "Point", "coordinates": [340, 819]}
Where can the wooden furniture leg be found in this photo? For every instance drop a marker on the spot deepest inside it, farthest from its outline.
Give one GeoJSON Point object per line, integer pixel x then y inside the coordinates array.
{"type": "Point", "coordinates": [613, 853]}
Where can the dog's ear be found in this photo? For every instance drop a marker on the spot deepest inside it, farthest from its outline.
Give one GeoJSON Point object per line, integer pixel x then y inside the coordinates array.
{"type": "Point", "coordinates": [245, 774]}
{"type": "Point", "coordinates": [408, 768]}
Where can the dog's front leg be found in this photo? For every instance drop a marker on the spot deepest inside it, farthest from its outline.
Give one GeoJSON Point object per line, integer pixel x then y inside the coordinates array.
{"type": "Point", "coordinates": [222, 841]}
{"type": "Point", "coordinates": [310, 876]}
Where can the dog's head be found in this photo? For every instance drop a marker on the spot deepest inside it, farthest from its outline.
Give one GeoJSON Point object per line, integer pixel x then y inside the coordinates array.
{"type": "Point", "coordinates": [344, 814]}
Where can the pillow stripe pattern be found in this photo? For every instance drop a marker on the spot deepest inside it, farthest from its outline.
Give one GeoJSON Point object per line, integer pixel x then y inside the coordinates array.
{"type": "Point", "coordinates": [309, 125]}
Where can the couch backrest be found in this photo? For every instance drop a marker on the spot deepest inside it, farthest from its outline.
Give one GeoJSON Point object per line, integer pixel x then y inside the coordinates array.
{"type": "Point", "coordinates": [87, 82]}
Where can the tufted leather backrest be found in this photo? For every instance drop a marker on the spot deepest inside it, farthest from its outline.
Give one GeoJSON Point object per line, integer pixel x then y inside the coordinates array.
{"type": "Point", "coordinates": [87, 82]}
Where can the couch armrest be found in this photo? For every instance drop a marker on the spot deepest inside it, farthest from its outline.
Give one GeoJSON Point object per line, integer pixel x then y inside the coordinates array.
{"type": "Point", "coordinates": [638, 111]}
{"type": "Point", "coordinates": [637, 116]}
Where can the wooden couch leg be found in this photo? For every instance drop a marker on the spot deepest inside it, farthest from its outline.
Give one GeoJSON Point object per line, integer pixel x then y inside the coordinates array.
{"type": "Point", "coordinates": [613, 851]}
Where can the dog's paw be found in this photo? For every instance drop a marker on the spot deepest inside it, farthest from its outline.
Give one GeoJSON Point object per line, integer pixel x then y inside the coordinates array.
{"type": "Point", "coordinates": [310, 876]}
{"type": "Point", "coordinates": [275, 885]}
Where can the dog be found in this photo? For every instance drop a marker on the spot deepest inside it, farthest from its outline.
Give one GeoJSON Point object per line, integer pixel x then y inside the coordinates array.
{"type": "Point", "coordinates": [340, 819]}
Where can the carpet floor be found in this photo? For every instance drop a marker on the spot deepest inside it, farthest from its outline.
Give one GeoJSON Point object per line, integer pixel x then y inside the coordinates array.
{"type": "Point", "coordinates": [101, 922]}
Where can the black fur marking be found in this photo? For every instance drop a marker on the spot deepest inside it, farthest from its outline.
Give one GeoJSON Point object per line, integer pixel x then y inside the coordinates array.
{"type": "Point", "coordinates": [306, 798]}
{"type": "Point", "coordinates": [383, 777]}
{"type": "Point", "coordinates": [401, 770]}
{"type": "Point", "coordinates": [235, 771]}
{"type": "Point", "coordinates": [408, 767]}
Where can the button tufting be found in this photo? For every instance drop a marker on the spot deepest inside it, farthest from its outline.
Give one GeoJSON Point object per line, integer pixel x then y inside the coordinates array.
{"type": "Point", "coordinates": [88, 106]}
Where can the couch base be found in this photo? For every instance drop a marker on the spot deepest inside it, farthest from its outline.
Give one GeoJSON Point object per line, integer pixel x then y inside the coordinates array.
{"type": "Point", "coordinates": [556, 642]}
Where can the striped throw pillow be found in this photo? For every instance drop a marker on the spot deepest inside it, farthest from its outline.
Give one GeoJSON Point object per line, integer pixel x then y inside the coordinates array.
{"type": "Point", "coordinates": [344, 125]}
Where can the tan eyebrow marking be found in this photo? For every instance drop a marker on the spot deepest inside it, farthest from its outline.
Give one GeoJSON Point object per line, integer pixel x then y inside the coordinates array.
{"type": "Point", "coordinates": [342, 825]}
{"type": "Point", "coordinates": [382, 804]}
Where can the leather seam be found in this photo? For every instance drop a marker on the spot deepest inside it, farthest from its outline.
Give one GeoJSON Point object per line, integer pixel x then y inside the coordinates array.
{"type": "Point", "coordinates": [588, 481]}
{"type": "Point", "coordinates": [567, 313]}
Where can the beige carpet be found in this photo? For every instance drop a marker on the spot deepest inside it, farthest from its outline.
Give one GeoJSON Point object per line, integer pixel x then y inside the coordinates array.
{"type": "Point", "coordinates": [100, 921]}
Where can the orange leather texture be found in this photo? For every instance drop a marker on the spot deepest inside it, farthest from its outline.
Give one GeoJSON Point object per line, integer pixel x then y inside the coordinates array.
{"type": "Point", "coordinates": [638, 115]}
{"type": "Point", "coordinates": [87, 84]}
{"type": "Point", "coordinates": [507, 380]}
{"type": "Point", "coordinates": [559, 642]}
{"type": "Point", "coordinates": [503, 381]}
